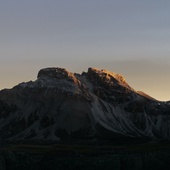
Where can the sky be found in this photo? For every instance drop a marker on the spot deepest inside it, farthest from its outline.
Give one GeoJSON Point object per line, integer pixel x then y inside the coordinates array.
{"type": "Point", "coordinates": [131, 38]}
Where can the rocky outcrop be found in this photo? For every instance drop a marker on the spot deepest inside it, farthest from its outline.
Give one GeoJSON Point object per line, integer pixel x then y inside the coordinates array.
{"type": "Point", "coordinates": [106, 76]}
{"type": "Point", "coordinates": [53, 73]}
{"type": "Point", "coordinates": [56, 73]}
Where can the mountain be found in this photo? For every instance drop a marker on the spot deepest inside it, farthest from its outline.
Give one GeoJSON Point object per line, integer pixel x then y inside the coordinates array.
{"type": "Point", "coordinates": [97, 104]}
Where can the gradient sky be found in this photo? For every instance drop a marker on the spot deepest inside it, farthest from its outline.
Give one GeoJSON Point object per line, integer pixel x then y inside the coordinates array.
{"type": "Point", "coordinates": [127, 37]}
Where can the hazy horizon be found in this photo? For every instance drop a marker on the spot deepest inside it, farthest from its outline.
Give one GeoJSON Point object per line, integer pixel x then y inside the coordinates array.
{"type": "Point", "coordinates": [127, 37]}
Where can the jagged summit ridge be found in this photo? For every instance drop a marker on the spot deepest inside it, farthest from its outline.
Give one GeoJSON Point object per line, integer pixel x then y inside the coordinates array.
{"type": "Point", "coordinates": [62, 73]}
{"type": "Point", "coordinates": [55, 77]}
{"type": "Point", "coordinates": [57, 72]}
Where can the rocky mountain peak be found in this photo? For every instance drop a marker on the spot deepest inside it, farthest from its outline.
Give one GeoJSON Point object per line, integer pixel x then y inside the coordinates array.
{"type": "Point", "coordinates": [61, 104]}
{"type": "Point", "coordinates": [107, 74]}
{"type": "Point", "coordinates": [107, 77]}
{"type": "Point", "coordinates": [62, 73]}
{"type": "Point", "coordinates": [53, 72]}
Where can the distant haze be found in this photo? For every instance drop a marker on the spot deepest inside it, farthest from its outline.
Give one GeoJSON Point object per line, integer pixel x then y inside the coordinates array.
{"type": "Point", "coordinates": [127, 37]}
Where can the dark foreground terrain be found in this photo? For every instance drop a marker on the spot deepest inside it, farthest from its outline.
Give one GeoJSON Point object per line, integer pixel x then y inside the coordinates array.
{"type": "Point", "coordinates": [151, 156]}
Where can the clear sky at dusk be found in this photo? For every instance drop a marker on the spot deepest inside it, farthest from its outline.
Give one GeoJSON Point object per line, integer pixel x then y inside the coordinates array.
{"type": "Point", "coordinates": [129, 37]}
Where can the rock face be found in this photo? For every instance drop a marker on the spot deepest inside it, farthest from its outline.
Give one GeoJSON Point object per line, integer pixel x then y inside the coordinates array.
{"type": "Point", "coordinates": [53, 73]}
{"type": "Point", "coordinates": [94, 104]}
